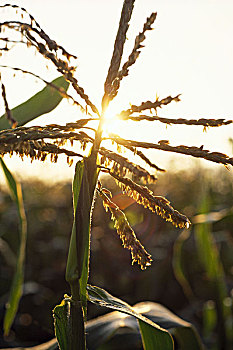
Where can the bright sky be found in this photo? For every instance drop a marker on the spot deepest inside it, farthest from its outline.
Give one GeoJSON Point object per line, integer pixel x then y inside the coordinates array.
{"type": "Point", "coordinates": [190, 51]}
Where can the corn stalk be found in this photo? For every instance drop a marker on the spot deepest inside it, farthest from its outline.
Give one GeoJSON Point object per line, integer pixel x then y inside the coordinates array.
{"type": "Point", "coordinates": [41, 142]}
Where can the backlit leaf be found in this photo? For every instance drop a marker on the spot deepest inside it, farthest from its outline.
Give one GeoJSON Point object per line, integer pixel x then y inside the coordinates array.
{"type": "Point", "coordinates": [16, 287]}
{"type": "Point", "coordinates": [42, 102]}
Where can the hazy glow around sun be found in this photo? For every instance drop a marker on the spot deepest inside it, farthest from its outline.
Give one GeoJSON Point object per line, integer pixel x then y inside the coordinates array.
{"type": "Point", "coordinates": [112, 123]}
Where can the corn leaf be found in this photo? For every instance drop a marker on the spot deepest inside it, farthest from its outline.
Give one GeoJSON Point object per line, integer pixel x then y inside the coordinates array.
{"type": "Point", "coordinates": [152, 339]}
{"type": "Point", "coordinates": [77, 264]}
{"type": "Point", "coordinates": [209, 255]}
{"type": "Point", "coordinates": [209, 318]}
{"type": "Point", "coordinates": [42, 102]}
{"type": "Point", "coordinates": [116, 330]}
{"type": "Point", "coordinates": [188, 338]}
{"type": "Point", "coordinates": [153, 336]}
{"type": "Point", "coordinates": [16, 287]}
{"type": "Point", "coordinates": [183, 332]}
{"type": "Point", "coordinates": [120, 330]}
{"type": "Point", "coordinates": [77, 269]}
{"type": "Point", "coordinates": [72, 263]}
{"type": "Point", "coordinates": [210, 260]}
{"type": "Point", "coordinates": [62, 319]}
{"type": "Point", "coordinates": [178, 265]}
{"type": "Point", "coordinates": [82, 224]}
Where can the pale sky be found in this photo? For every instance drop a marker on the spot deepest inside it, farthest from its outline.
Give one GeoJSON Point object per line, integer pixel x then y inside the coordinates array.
{"type": "Point", "coordinates": [190, 51]}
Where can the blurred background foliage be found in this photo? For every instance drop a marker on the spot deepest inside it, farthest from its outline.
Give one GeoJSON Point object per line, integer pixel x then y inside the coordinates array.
{"type": "Point", "coordinates": [192, 270]}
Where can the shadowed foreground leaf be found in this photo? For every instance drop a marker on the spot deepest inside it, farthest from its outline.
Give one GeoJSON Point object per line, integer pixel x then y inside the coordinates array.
{"type": "Point", "coordinates": [153, 336]}
{"type": "Point", "coordinates": [41, 103]}
{"type": "Point", "coordinates": [120, 330]}
{"type": "Point", "coordinates": [116, 330]}
{"type": "Point", "coordinates": [16, 287]}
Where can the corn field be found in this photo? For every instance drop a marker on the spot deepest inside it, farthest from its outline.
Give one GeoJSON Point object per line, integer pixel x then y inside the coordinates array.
{"type": "Point", "coordinates": [87, 143]}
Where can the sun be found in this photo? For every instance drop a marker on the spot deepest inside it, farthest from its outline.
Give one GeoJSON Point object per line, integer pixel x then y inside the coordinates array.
{"type": "Point", "coordinates": [112, 124]}
{"type": "Point", "coordinates": [126, 129]}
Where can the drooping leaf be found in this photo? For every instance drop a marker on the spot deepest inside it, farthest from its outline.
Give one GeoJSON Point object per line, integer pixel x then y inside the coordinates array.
{"type": "Point", "coordinates": [153, 336]}
{"type": "Point", "coordinates": [120, 330]}
{"type": "Point", "coordinates": [188, 338]}
{"type": "Point", "coordinates": [212, 217]}
{"type": "Point", "coordinates": [183, 331]}
{"type": "Point", "coordinates": [16, 287]}
{"type": "Point", "coordinates": [41, 103]}
{"type": "Point", "coordinates": [152, 339]}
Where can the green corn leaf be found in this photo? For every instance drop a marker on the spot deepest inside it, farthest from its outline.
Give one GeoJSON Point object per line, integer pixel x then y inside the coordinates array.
{"type": "Point", "coordinates": [62, 320]}
{"type": "Point", "coordinates": [153, 336]}
{"type": "Point", "coordinates": [210, 260]}
{"type": "Point", "coordinates": [209, 318]}
{"type": "Point", "coordinates": [188, 338]}
{"type": "Point", "coordinates": [77, 269]}
{"type": "Point", "coordinates": [16, 287]}
{"type": "Point", "coordinates": [72, 273]}
{"type": "Point", "coordinates": [178, 265]}
{"type": "Point", "coordinates": [68, 317]}
{"type": "Point", "coordinates": [120, 329]}
{"type": "Point", "coordinates": [208, 251]}
{"type": "Point", "coordinates": [42, 102]}
{"type": "Point", "coordinates": [78, 257]}
{"type": "Point", "coordinates": [152, 339]}
{"type": "Point", "coordinates": [82, 226]}
{"type": "Point", "coordinates": [184, 332]}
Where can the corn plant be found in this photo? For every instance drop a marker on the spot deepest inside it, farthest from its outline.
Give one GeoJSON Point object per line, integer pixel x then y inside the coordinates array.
{"type": "Point", "coordinates": [52, 140]}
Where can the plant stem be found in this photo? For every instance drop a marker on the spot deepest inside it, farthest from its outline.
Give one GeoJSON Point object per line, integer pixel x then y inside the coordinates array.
{"type": "Point", "coordinates": [83, 211]}
{"type": "Point", "coordinates": [78, 339]}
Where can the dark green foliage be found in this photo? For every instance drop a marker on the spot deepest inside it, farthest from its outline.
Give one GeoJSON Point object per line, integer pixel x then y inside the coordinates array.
{"type": "Point", "coordinates": [49, 210]}
{"type": "Point", "coordinates": [17, 283]}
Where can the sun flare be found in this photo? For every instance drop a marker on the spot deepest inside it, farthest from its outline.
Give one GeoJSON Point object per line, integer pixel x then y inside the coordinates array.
{"type": "Point", "coordinates": [112, 124]}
